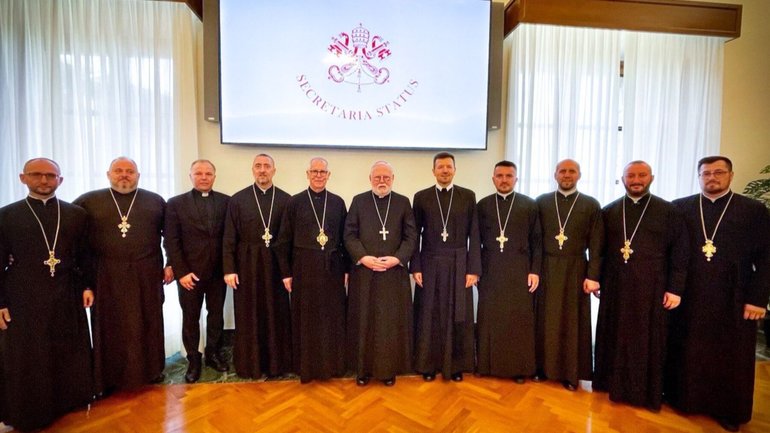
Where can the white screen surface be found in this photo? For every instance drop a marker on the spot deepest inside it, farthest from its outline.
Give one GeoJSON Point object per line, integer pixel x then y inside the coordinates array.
{"type": "Point", "coordinates": [393, 73]}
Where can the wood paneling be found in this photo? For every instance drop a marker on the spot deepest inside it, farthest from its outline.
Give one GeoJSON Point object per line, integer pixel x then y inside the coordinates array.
{"type": "Point", "coordinates": [666, 16]}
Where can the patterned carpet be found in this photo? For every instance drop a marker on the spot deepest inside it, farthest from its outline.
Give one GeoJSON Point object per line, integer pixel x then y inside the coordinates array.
{"type": "Point", "coordinates": [176, 365]}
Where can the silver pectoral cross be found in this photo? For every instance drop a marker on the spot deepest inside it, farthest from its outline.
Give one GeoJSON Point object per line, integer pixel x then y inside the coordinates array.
{"type": "Point", "coordinates": [384, 234]}
{"type": "Point", "coordinates": [51, 262]}
{"type": "Point", "coordinates": [502, 239]}
{"type": "Point", "coordinates": [444, 235]}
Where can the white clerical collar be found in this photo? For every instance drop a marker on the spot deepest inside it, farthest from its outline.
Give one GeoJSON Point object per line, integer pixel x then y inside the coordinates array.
{"type": "Point", "coordinates": [448, 187]}
{"type": "Point", "coordinates": [204, 193]}
{"type": "Point", "coordinates": [44, 200]}
{"type": "Point", "coordinates": [264, 191]}
{"type": "Point", "coordinates": [637, 200]}
{"type": "Point", "coordinates": [567, 193]}
{"type": "Point", "coordinates": [713, 199]}
{"type": "Point", "coordinates": [504, 196]}
{"type": "Point", "coordinates": [380, 196]}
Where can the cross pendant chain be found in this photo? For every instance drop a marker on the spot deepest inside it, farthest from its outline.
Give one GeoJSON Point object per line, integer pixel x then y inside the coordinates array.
{"type": "Point", "coordinates": [266, 237]}
{"type": "Point", "coordinates": [384, 234]}
{"type": "Point", "coordinates": [561, 238]}
{"type": "Point", "coordinates": [124, 225]}
{"type": "Point", "coordinates": [51, 262]}
{"type": "Point", "coordinates": [444, 235]}
{"type": "Point", "coordinates": [502, 239]}
{"type": "Point", "coordinates": [709, 249]}
{"type": "Point", "coordinates": [322, 239]}
{"type": "Point", "coordinates": [627, 251]}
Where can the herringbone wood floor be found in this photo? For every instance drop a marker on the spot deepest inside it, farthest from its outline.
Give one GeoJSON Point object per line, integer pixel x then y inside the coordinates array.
{"type": "Point", "coordinates": [476, 404]}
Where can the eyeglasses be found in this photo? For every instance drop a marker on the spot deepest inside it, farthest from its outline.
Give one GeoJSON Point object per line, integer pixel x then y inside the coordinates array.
{"type": "Point", "coordinates": [318, 172]}
{"type": "Point", "coordinates": [385, 179]}
{"type": "Point", "coordinates": [37, 175]}
{"type": "Point", "coordinates": [715, 173]}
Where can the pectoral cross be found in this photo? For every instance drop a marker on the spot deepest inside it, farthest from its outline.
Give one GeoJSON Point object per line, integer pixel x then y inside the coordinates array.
{"type": "Point", "coordinates": [384, 234]}
{"type": "Point", "coordinates": [502, 239]}
{"type": "Point", "coordinates": [561, 238]}
{"type": "Point", "coordinates": [51, 262]}
{"type": "Point", "coordinates": [322, 238]}
{"type": "Point", "coordinates": [267, 236]}
{"type": "Point", "coordinates": [124, 226]}
{"type": "Point", "coordinates": [627, 251]}
{"type": "Point", "coordinates": [444, 235]}
{"type": "Point", "coordinates": [709, 248]}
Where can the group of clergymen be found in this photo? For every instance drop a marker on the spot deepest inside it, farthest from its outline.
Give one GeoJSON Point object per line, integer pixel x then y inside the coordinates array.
{"type": "Point", "coordinates": [321, 290]}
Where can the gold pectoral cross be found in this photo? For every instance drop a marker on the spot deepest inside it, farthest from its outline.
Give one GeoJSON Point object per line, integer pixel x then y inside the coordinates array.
{"type": "Point", "coordinates": [502, 239]}
{"type": "Point", "coordinates": [322, 238]}
{"type": "Point", "coordinates": [384, 234]}
{"type": "Point", "coordinates": [51, 262]}
{"type": "Point", "coordinates": [266, 237]}
{"type": "Point", "coordinates": [561, 238]}
{"type": "Point", "coordinates": [444, 235]}
{"type": "Point", "coordinates": [124, 226]}
{"type": "Point", "coordinates": [626, 250]}
{"type": "Point", "coordinates": [709, 249]}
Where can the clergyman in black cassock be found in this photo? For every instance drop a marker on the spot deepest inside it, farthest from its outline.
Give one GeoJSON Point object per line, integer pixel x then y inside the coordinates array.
{"type": "Point", "coordinates": [262, 313]}
{"type": "Point", "coordinates": [45, 353]}
{"type": "Point", "coordinates": [639, 284]}
{"type": "Point", "coordinates": [380, 237]}
{"type": "Point", "coordinates": [511, 255]}
{"type": "Point", "coordinates": [568, 278]}
{"type": "Point", "coordinates": [193, 241]}
{"type": "Point", "coordinates": [314, 266]}
{"type": "Point", "coordinates": [713, 335]}
{"type": "Point", "coordinates": [127, 317]}
{"type": "Point", "coordinates": [445, 268]}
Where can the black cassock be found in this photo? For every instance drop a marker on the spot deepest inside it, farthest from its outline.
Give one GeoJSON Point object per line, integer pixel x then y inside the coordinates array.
{"type": "Point", "coordinates": [506, 316]}
{"type": "Point", "coordinates": [380, 303]}
{"type": "Point", "coordinates": [711, 360]}
{"type": "Point", "coordinates": [632, 327]}
{"type": "Point", "coordinates": [443, 306]}
{"type": "Point", "coordinates": [45, 354]}
{"type": "Point", "coordinates": [563, 309]}
{"type": "Point", "coordinates": [318, 298]}
{"type": "Point", "coordinates": [128, 308]}
{"type": "Point", "coordinates": [262, 317]}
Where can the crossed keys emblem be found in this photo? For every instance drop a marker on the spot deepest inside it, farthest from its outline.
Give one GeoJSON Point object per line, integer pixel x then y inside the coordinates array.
{"type": "Point", "coordinates": [359, 53]}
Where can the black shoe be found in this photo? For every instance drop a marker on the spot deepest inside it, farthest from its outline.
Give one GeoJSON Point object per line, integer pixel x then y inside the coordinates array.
{"type": "Point", "coordinates": [389, 382]}
{"type": "Point", "coordinates": [569, 385]}
{"type": "Point", "coordinates": [429, 377]}
{"type": "Point", "coordinates": [728, 424]}
{"type": "Point", "coordinates": [215, 361]}
{"type": "Point", "coordinates": [158, 379]}
{"type": "Point", "coordinates": [457, 377]}
{"type": "Point", "coordinates": [193, 369]}
{"type": "Point", "coordinates": [362, 380]}
{"type": "Point", "coordinates": [518, 379]}
{"type": "Point", "coordinates": [539, 378]}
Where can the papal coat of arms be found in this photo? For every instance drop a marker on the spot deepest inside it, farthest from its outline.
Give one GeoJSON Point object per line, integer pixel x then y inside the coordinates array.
{"type": "Point", "coordinates": [360, 56]}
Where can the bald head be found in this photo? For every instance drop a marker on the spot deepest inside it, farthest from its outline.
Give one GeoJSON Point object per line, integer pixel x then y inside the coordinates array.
{"type": "Point", "coordinates": [123, 175]}
{"type": "Point", "coordinates": [637, 178]}
{"type": "Point", "coordinates": [567, 174]}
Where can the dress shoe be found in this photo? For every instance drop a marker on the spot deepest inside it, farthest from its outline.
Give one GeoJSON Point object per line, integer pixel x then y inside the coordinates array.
{"type": "Point", "coordinates": [457, 377]}
{"type": "Point", "coordinates": [215, 361]}
{"type": "Point", "coordinates": [389, 382]}
{"type": "Point", "coordinates": [518, 379]}
{"type": "Point", "coordinates": [569, 385]}
{"type": "Point", "coordinates": [428, 377]}
{"type": "Point", "coordinates": [540, 377]}
{"type": "Point", "coordinates": [728, 424]}
{"type": "Point", "coordinates": [362, 380]}
{"type": "Point", "coordinates": [193, 368]}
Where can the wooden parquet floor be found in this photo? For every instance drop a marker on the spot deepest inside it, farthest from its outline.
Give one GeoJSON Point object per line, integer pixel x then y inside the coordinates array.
{"type": "Point", "coordinates": [474, 405]}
